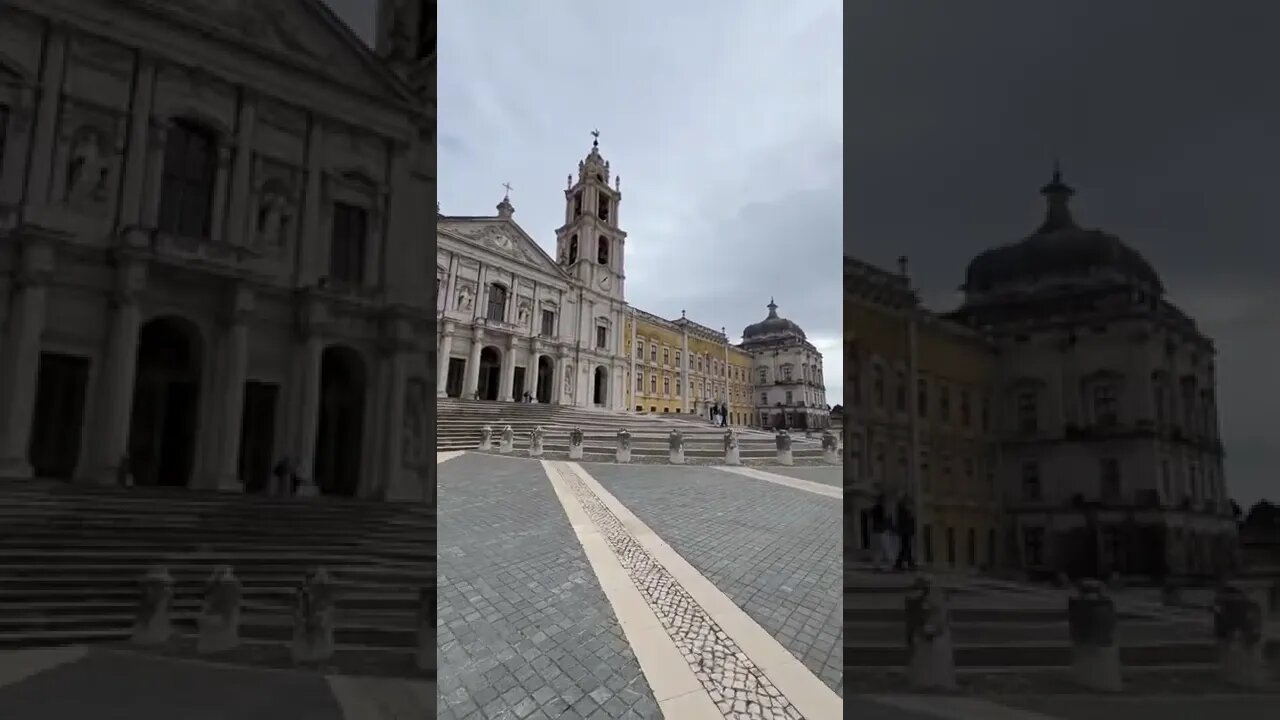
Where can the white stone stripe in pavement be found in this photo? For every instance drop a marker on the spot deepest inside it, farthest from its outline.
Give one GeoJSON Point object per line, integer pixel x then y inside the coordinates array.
{"type": "Point", "coordinates": [363, 698]}
{"type": "Point", "coordinates": [797, 683]}
{"type": "Point", "coordinates": [675, 688]}
{"type": "Point", "coordinates": [956, 708]}
{"type": "Point", "coordinates": [448, 455]}
{"type": "Point", "coordinates": [797, 483]}
{"type": "Point", "coordinates": [18, 665]}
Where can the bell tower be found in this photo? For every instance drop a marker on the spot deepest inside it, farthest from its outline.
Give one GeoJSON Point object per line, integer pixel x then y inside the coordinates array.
{"type": "Point", "coordinates": [407, 41]}
{"type": "Point", "coordinates": [589, 245]}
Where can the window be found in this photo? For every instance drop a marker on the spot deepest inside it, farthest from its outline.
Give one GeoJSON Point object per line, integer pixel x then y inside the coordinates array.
{"type": "Point", "coordinates": [666, 386]}
{"type": "Point", "coordinates": [677, 358]}
{"type": "Point", "coordinates": [653, 384]}
{"type": "Point", "coordinates": [986, 413]}
{"type": "Point", "coordinates": [1161, 400]}
{"type": "Point", "coordinates": [679, 387]}
{"type": "Point", "coordinates": [602, 211]}
{"type": "Point", "coordinates": [927, 536]}
{"type": "Point", "coordinates": [1109, 470]}
{"type": "Point", "coordinates": [639, 384]}
{"type": "Point", "coordinates": [602, 337]}
{"type": "Point", "coordinates": [347, 253]}
{"type": "Point", "coordinates": [924, 471]}
{"type": "Point", "coordinates": [1030, 480]}
{"type": "Point", "coordinates": [666, 356]}
{"type": "Point", "coordinates": [922, 398]}
{"type": "Point", "coordinates": [900, 392]}
{"type": "Point", "coordinates": [577, 210]}
{"type": "Point", "coordinates": [973, 547]}
{"type": "Point", "coordinates": [602, 250]}
{"type": "Point", "coordinates": [548, 323]}
{"type": "Point", "coordinates": [653, 352]}
{"type": "Point", "coordinates": [951, 546]}
{"type": "Point", "coordinates": [1033, 544]}
{"type": "Point", "coordinates": [1104, 405]}
{"type": "Point", "coordinates": [764, 398]}
{"type": "Point", "coordinates": [966, 409]}
{"type": "Point", "coordinates": [944, 403]}
{"type": "Point", "coordinates": [640, 349]}
{"type": "Point", "coordinates": [497, 302]}
{"type": "Point", "coordinates": [573, 249]}
{"type": "Point", "coordinates": [991, 547]}
{"type": "Point", "coordinates": [190, 168]}
{"type": "Point", "coordinates": [786, 373]}
{"type": "Point", "coordinates": [1028, 412]}
{"type": "Point", "coordinates": [1165, 480]}
{"type": "Point", "coordinates": [877, 385]}
{"type": "Point", "coordinates": [788, 397]}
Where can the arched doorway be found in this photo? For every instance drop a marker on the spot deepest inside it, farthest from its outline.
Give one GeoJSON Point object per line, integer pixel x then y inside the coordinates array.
{"type": "Point", "coordinates": [490, 373]}
{"type": "Point", "coordinates": [166, 402]}
{"type": "Point", "coordinates": [601, 394]}
{"type": "Point", "coordinates": [340, 434]}
{"type": "Point", "coordinates": [546, 376]}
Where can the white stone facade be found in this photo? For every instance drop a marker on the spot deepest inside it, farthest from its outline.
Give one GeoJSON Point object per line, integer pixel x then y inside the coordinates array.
{"type": "Point", "coordinates": [512, 319]}
{"type": "Point", "coordinates": [210, 256]}
{"type": "Point", "coordinates": [786, 374]}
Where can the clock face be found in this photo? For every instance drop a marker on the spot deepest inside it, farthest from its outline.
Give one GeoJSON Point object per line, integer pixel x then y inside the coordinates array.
{"type": "Point", "coordinates": [605, 282]}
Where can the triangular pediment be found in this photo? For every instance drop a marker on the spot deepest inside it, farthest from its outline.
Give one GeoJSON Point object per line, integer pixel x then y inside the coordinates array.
{"type": "Point", "coordinates": [502, 237]}
{"type": "Point", "coordinates": [304, 31]}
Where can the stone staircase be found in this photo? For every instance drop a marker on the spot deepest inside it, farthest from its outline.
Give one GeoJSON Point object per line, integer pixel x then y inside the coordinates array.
{"type": "Point", "coordinates": [459, 423]}
{"type": "Point", "coordinates": [71, 558]}
{"type": "Point", "coordinates": [1007, 625]}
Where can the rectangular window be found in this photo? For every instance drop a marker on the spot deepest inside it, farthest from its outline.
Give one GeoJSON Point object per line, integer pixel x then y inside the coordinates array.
{"type": "Point", "coordinates": [666, 386]}
{"type": "Point", "coordinates": [973, 547]}
{"type": "Point", "coordinates": [1105, 411]}
{"type": "Point", "coordinates": [497, 303]}
{"type": "Point", "coordinates": [548, 323]}
{"type": "Point", "coordinates": [788, 397]}
{"type": "Point", "coordinates": [666, 356]}
{"type": "Point", "coordinates": [1028, 412]}
{"type": "Point", "coordinates": [966, 410]}
{"type": "Point", "coordinates": [764, 398]}
{"type": "Point", "coordinates": [927, 536]}
{"type": "Point", "coordinates": [679, 387]}
{"type": "Point", "coordinates": [602, 337]}
{"type": "Point", "coordinates": [653, 384]}
{"type": "Point", "coordinates": [951, 546]}
{"type": "Point", "coordinates": [944, 403]}
{"type": "Point", "coordinates": [922, 398]}
{"type": "Point", "coordinates": [639, 383]}
{"type": "Point", "coordinates": [1033, 544]}
{"type": "Point", "coordinates": [653, 352]}
{"type": "Point", "coordinates": [640, 349]}
{"type": "Point", "coordinates": [1030, 480]}
{"type": "Point", "coordinates": [900, 392]}
{"type": "Point", "coordinates": [1109, 470]}
{"type": "Point", "coordinates": [677, 358]}
{"type": "Point", "coordinates": [786, 373]}
{"type": "Point", "coordinates": [350, 237]}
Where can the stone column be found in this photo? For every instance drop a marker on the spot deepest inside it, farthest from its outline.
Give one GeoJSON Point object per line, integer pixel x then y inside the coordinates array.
{"type": "Point", "coordinates": [22, 357]}
{"type": "Point", "coordinates": [239, 232]}
{"type": "Point", "coordinates": [135, 164]}
{"type": "Point", "coordinates": [307, 269]}
{"type": "Point", "coordinates": [40, 177]}
{"type": "Point", "coordinates": [217, 220]}
{"type": "Point", "coordinates": [442, 361]}
{"type": "Point", "coordinates": [116, 383]}
{"type": "Point", "coordinates": [393, 423]}
{"type": "Point", "coordinates": [236, 371]}
{"type": "Point", "coordinates": [473, 367]}
{"type": "Point", "coordinates": [155, 174]}
{"type": "Point", "coordinates": [631, 383]}
{"type": "Point", "coordinates": [506, 390]}
{"type": "Point", "coordinates": [312, 351]}
{"type": "Point", "coordinates": [557, 380]}
{"type": "Point", "coordinates": [684, 371]}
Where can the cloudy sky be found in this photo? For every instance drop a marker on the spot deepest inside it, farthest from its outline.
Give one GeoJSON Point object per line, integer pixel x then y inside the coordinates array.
{"type": "Point", "coordinates": [1165, 115]}
{"type": "Point", "coordinates": [723, 119]}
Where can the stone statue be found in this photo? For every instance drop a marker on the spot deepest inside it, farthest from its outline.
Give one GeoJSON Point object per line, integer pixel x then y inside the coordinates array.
{"type": "Point", "coordinates": [508, 440]}
{"type": "Point", "coordinates": [675, 447]}
{"type": "Point", "coordinates": [623, 453]}
{"type": "Point", "coordinates": [153, 626]}
{"type": "Point", "coordinates": [220, 616]}
{"type": "Point", "coordinates": [486, 438]}
{"type": "Point", "coordinates": [535, 442]}
{"type": "Point", "coordinates": [783, 442]}
{"type": "Point", "coordinates": [87, 170]}
{"type": "Point", "coordinates": [465, 297]}
{"type": "Point", "coordinates": [1237, 625]}
{"type": "Point", "coordinates": [830, 447]}
{"type": "Point", "coordinates": [1095, 656]}
{"type": "Point", "coordinates": [931, 658]}
{"type": "Point", "coordinates": [313, 618]}
{"type": "Point", "coordinates": [732, 455]}
{"type": "Point", "coordinates": [272, 218]}
{"type": "Point", "coordinates": [568, 381]}
{"type": "Point", "coordinates": [522, 314]}
{"type": "Point", "coordinates": [575, 444]}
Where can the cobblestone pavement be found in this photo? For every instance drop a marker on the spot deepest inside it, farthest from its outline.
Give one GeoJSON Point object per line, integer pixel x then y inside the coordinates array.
{"type": "Point", "coordinates": [108, 685]}
{"type": "Point", "coordinates": [832, 475]}
{"type": "Point", "coordinates": [774, 550]}
{"type": "Point", "coordinates": [524, 629]}
{"type": "Point", "coordinates": [1057, 707]}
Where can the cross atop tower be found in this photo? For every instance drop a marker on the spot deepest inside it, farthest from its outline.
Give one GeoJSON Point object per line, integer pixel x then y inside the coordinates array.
{"type": "Point", "coordinates": [595, 134]}
{"type": "Point", "coordinates": [507, 185]}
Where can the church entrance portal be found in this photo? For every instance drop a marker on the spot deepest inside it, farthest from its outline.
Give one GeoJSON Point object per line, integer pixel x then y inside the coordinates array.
{"type": "Point", "coordinates": [601, 394]}
{"type": "Point", "coordinates": [546, 374]}
{"type": "Point", "coordinates": [258, 434]}
{"type": "Point", "coordinates": [59, 415]}
{"type": "Point", "coordinates": [457, 372]}
{"type": "Point", "coordinates": [166, 403]}
{"type": "Point", "coordinates": [490, 373]}
{"type": "Point", "coordinates": [341, 429]}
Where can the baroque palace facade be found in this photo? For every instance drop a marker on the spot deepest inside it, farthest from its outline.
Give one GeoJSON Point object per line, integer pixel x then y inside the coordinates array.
{"type": "Point", "coordinates": [1093, 430]}
{"type": "Point", "coordinates": [515, 323]}
{"type": "Point", "coordinates": [210, 255]}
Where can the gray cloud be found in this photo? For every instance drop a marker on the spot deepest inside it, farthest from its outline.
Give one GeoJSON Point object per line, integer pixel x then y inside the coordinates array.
{"type": "Point", "coordinates": [1164, 115]}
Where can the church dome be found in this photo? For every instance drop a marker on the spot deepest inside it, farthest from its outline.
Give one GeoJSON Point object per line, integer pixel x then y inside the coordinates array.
{"type": "Point", "coordinates": [1059, 249]}
{"type": "Point", "coordinates": [773, 327]}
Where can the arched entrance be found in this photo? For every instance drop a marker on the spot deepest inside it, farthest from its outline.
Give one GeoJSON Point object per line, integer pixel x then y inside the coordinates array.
{"type": "Point", "coordinates": [340, 435]}
{"type": "Point", "coordinates": [601, 394]}
{"type": "Point", "coordinates": [490, 373]}
{"type": "Point", "coordinates": [546, 376]}
{"type": "Point", "coordinates": [166, 402]}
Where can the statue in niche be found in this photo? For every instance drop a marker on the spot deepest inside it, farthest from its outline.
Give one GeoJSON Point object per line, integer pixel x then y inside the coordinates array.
{"type": "Point", "coordinates": [465, 297]}
{"type": "Point", "coordinates": [522, 314]}
{"type": "Point", "coordinates": [568, 380]}
{"type": "Point", "coordinates": [87, 169]}
{"type": "Point", "coordinates": [415, 410]}
{"type": "Point", "coordinates": [274, 216]}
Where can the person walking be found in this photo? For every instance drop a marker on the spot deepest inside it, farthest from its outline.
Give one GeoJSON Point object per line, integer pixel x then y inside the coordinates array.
{"type": "Point", "coordinates": [878, 526]}
{"type": "Point", "coordinates": [906, 527]}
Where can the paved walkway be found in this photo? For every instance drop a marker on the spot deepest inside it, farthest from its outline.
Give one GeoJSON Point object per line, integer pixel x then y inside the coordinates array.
{"type": "Point", "coordinates": [599, 590]}
{"type": "Point", "coordinates": [72, 683]}
{"type": "Point", "coordinates": [1062, 707]}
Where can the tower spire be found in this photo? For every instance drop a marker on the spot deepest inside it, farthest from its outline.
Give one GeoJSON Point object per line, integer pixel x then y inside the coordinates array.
{"type": "Point", "coordinates": [1057, 194]}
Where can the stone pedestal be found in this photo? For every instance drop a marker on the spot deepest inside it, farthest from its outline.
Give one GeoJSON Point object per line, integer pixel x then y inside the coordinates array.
{"type": "Point", "coordinates": [1170, 594]}
{"type": "Point", "coordinates": [1237, 625]}
{"type": "Point", "coordinates": [486, 438]}
{"type": "Point", "coordinates": [313, 618]}
{"type": "Point", "coordinates": [731, 452]}
{"type": "Point", "coordinates": [675, 447]}
{"type": "Point", "coordinates": [508, 442]}
{"type": "Point", "coordinates": [930, 654]}
{"type": "Point", "coordinates": [830, 448]}
{"type": "Point", "coordinates": [623, 454]}
{"type": "Point", "coordinates": [783, 443]}
{"type": "Point", "coordinates": [220, 617]}
{"type": "Point", "coordinates": [575, 444]}
{"type": "Point", "coordinates": [535, 442]}
{"type": "Point", "coordinates": [153, 626]}
{"type": "Point", "coordinates": [426, 657]}
{"type": "Point", "coordinates": [1095, 656]}
{"type": "Point", "coordinates": [307, 487]}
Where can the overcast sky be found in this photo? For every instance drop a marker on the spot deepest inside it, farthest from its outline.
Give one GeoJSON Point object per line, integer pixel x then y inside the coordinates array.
{"type": "Point", "coordinates": [723, 119]}
{"type": "Point", "coordinates": [1166, 114]}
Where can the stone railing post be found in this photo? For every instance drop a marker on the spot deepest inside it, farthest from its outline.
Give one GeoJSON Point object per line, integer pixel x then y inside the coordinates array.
{"type": "Point", "coordinates": [623, 454]}
{"type": "Point", "coordinates": [732, 456]}
{"type": "Point", "coordinates": [830, 448]}
{"type": "Point", "coordinates": [1095, 656]}
{"type": "Point", "coordinates": [508, 440]}
{"type": "Point", "coordinates": [153, 626]}
{"type": "Point", "coordinates": [486, 438]}
{"type": "Point", "coordinates": [930, 655]}
{"type": "Point", "coordinates": [220, 616]}
{"type": "Point", "coordinates": [313, 618]}
{"type": "Point", "coordinates": [575, 444]}
{"type": "Point", "coordinates": [675, 447]}
{"type": "Point", "coordinates": [1237, 625]}
{"type": "Point", "coordinates": [783, 442]}
{"type": "Point", "coordinates": [535, 442]}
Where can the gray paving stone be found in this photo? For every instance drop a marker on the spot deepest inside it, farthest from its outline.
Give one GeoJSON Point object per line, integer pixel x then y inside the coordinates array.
{"type": "Point", "coordinates": [832, 475]}
{"type": "Point", "coordinates": [775, 551]}
{"type": "Point", "coordinates": [518, 605]}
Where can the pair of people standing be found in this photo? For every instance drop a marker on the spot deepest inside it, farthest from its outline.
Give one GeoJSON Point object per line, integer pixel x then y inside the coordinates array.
{"type": "Point", "coordinates": [718, 415]}
{"type": "Point", "coordinates": [893, 528]}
